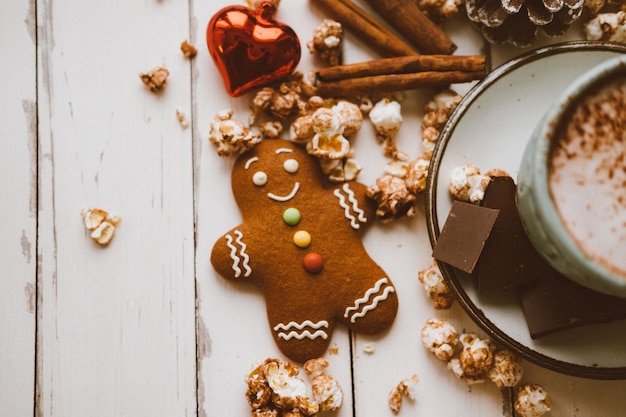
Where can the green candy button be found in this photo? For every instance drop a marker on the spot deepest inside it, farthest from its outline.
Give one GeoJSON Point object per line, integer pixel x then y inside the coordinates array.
{"type": "Point", "coordinates": [291, 216]}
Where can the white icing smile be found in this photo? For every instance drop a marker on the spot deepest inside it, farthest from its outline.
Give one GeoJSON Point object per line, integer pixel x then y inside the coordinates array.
{"type": "Point", "coordinates": [287, 197]}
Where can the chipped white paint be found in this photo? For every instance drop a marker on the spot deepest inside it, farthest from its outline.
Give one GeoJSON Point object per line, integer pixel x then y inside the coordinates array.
{"type": "Point", "coordinates": [144, 326]}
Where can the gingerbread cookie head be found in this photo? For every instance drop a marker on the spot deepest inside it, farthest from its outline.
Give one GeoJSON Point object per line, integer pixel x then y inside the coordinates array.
{"type": "Point", "coordinates": [301, 243]}
{"type": "Point", "coordinates": [273, 173]}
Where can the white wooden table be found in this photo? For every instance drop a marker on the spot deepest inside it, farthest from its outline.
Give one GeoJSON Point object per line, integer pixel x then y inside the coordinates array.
{"type": "Point", "coordinates": [144, 327]}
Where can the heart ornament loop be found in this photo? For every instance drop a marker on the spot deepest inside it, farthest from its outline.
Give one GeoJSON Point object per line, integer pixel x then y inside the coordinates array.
{"type": "Point", "coordinates": [250, 48]}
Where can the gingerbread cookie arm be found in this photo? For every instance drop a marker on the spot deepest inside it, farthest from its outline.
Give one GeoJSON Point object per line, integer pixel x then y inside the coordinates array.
{"type": "Point", "coordinates": [230, 256]}
{"type": "Point", "coordinates": [357, 208]}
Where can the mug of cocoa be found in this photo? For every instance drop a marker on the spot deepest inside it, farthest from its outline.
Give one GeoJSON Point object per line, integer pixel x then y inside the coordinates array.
{"type": "Point", "coordinates": [571, 193]}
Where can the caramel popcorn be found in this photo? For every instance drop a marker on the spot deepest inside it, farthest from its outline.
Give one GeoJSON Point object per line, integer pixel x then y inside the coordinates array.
{"type": "Point", "coordinates": [610, 27]}
{"type": "Point", "coordinates": [101, 224]}
{"type": "Point", "coordinates": [274, 389]}
{"type": "Point", "coordinates": [507, 369]}
{"type": "Point", "coordinates": [467, 183]}
{"type": "Point", "coordinates": [189, 51]}
{"type": "Point", "coordinates": [386, 117]}
{"type": "Point", "coordinates": [437, 113]}
{"type": "Point", "coordinates": [436, 287]}
{"type": "Point", "coordinates": [271, 129]}
{"type": "Point", "coordinates": [440, 337]}
{"type": "Point", "coordinates": [330, 127]}
{"type": "Point", "coordinates": [440, 11]}
{"type": "Point", "coordinates": [532, 401]}
{"type": "Point", "coordinates": [369, 348]}
{"type": "Point", "coordinates": [282, 102]}
{"type": "Point", "coordinates": [327, 42]}
{"type": "Point", "coordinates": [392, 197]}
{"type": "Point", "coordinates": [155, 79]}
{"type": "Point", "coordinates": [340, 170]}
{"type": "Point", "coordinates": [315, 367]}
{"type": "Point", "coordinates": [476, 356]}
{"type": "Point", "coordinates": [182, 119]}
{"type": "Point", "coordinates": [417, 175]}
{"type": "Point", "coordinates": [230, 136]}
{"type": "Point", "coordinates": [405, 388]}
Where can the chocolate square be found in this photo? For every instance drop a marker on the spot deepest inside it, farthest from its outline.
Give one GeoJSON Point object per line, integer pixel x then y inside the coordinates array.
{"type": "Point", "coordinates": [464, 234]}
{"type": "Point", "coordinates": [553, 303]}
{"type": "Point", "coordinates": [509, 259]}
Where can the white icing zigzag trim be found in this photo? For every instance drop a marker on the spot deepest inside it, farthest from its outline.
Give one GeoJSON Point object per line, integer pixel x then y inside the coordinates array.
{"type": "Point", "coordinates": [302, 334]}
{"type": "Point", "coordinates": [352, 311]}
{"type": "Point", "coordinates": [238, 253]}
{"type": "Point", "coordinates": [352, 207]}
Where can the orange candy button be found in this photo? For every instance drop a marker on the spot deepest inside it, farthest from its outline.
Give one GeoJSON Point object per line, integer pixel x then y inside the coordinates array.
{"type": "Point", "coordinates": [313, 262]}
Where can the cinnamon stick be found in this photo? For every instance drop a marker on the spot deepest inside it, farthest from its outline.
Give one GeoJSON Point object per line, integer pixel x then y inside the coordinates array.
{"type": "Point", "coordinates": [394, 82]}
{"type": "Point", "coordinates": [407, 18]}
{"type": "Point", "coordinates": [403, 65]}
{"type": "Point", "coordinates": [364, 26]}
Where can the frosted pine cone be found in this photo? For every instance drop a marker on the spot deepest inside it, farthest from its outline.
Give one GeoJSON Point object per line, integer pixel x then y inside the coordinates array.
{"type": "Point", "coordinates": [518, 22]}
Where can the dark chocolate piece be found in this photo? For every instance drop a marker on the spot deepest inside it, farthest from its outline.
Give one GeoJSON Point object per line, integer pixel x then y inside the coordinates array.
{"type": "Point", "coordinates": [464, 234]}
{"type": "Point", "coordinates": [553, 303]}
{"type": "Point", "coordinates": [509, 259]}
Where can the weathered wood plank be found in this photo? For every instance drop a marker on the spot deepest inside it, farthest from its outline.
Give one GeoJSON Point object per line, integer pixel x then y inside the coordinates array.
{"type": "Point", "coordinates": [116, 329]}
{"type": "Point", "coordinates": [18, 205]}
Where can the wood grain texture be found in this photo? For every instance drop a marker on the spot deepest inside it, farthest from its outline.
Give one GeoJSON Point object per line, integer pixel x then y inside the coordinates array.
{"type": "Point", "coordinates": [115, 324]}
{"type": "Point", "coordinates": [18, 208]}
{"type": "Point", "coordinates": [145, 327]}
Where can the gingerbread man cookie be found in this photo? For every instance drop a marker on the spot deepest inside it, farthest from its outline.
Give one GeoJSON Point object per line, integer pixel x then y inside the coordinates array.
{"type": "Point", "coordinates": [301, 243]}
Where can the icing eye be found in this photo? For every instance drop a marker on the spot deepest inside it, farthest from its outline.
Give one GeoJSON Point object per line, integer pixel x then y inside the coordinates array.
{"type": "Point", "coordinates": [291, 166]}
{"type": "Point", "coordinates": [259, 178]}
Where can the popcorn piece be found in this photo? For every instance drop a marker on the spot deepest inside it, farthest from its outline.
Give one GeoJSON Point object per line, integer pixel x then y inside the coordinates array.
{"type": "Point", "coordinates": [532, 401]}
{"type": "Point", "coordinates": [182, 119]}
{"type": "Point", "coordinates": [281, 103]}
{"type": "Point", "coordinates": [315, 367]}
{"type": "Point", "coordinates": [93, 217]}
{"type": "Point", "coordinates": [467, 183]}
{"type": "Point", "coordinates": [610, 27]}
{"type": "Point", "coordinates": [369, 348]}
{"type": "Point", "coordinates": [350, 115]}
{"type": "Point", "coordinates": [507, 369]}
{"type": "Point", "coordinates": [438, 111]}
{"type": "Point", "coordinates": [454, 365]}
{"type": "Point", "coordinates": [103, 233]}
{"type": "Point", "coordinates": [440, 338]}
{"type": "Point", "coordinates": [327, 393]}
{"type": "Point", "coordinates": [406, 387]}
{"type": "Point", "coordinates": [101, 223]}
{"type": "Point", "coordinates": [440, 11]}
{"type": "Point", "coordinates": [430, 135]}
{"type": "Point", "coordinates": [342, 170]}
{"type": "Point", "coordinates": [231, 136]}
{"type": "Point", "coordinates": [327, 42]}
{"type": "Point", "coordinates": [476, 357]}
{"type": "Point", "coordinates": [189, 51]}
{"type": "Point", "coordinates": [392, 197]}
{"type": "Point", "coordinates": [270, 129]}
{"type": "Point", "coordinates": [417, 175]}
{"type": "Point", "coordinates": [436, 287]}
{"type": "Point", "coordinates": [155, 79]}
{"type": "Point", "coordinates": [274, 389]}
{"type": "Point", "coordinates": [387, 119]}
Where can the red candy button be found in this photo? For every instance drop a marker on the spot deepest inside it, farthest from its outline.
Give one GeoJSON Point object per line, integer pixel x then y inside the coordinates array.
{"type": "Point", "coordinates": [313, 262]}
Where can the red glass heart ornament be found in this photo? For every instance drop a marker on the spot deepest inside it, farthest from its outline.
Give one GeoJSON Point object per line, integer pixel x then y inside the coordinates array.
{"type": "Point", "coordinates": [250, 48]}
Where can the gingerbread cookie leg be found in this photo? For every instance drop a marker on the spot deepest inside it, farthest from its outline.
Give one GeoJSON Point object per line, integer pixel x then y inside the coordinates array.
{"type": "Point", "coordinates": [301, 337]}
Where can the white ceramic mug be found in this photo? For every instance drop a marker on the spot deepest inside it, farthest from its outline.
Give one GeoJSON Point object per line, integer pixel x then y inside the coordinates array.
{"type": "Point", "coordinates": [572, 180]}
